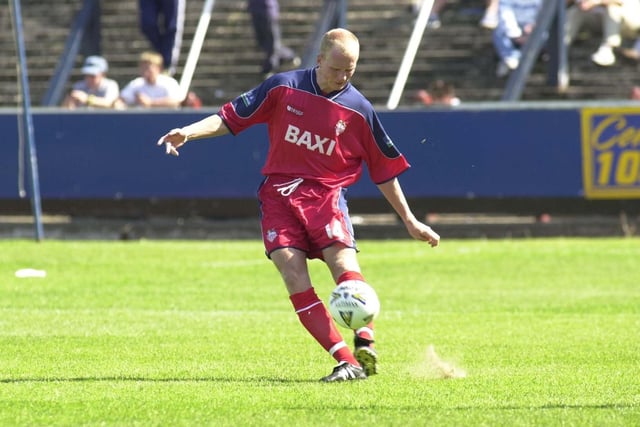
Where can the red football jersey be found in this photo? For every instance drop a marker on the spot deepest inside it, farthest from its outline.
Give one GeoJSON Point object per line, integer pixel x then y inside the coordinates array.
{"type": "Point", "coordinates": [316, 136]}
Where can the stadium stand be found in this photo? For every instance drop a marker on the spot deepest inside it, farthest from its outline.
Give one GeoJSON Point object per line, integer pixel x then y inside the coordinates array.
{"type": "Point", "coordinates": [460, 51]}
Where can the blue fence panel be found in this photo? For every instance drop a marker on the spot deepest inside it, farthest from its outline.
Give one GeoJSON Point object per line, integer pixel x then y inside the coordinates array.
{"type": "Point", "coordinates": [461, 153]}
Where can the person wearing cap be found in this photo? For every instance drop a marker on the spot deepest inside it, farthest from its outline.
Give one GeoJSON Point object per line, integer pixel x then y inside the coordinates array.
{"type": "Point", "coordinates": [153, 88]}
{"type": "Point", "coordinates": [95, 90]}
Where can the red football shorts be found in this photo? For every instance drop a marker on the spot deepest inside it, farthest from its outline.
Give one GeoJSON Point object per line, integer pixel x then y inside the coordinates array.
{"type": "Point", "coordinates": [303, 214]}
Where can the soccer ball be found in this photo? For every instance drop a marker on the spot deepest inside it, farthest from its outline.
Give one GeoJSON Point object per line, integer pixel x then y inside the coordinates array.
{"type": "Point", "coordinates": [353, 304]}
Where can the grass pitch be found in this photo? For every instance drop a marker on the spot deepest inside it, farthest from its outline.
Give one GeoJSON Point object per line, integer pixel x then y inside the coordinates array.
{"type": "Point", "coordinates": [202, 333]}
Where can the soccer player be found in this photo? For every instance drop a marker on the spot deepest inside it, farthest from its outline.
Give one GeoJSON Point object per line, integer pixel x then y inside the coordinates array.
{"type": "Point", "coordinates": [321, 130]}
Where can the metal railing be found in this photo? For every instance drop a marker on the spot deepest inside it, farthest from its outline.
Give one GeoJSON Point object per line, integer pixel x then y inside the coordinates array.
{"type": "Point", "coordinates": [87, 19]}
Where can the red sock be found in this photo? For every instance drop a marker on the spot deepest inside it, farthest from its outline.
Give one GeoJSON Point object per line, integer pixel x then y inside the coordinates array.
{"type": "Point", "coordinates": [316, 319]}
{"type": "Point", "coordinates": [366, 332]}
{"type": "Point", "coordinates": [350, 275]}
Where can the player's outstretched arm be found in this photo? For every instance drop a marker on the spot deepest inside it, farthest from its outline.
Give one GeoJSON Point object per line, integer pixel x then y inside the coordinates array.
{"type": "Point", "coordinates": [208, 127]}
{"type": "Point", "coordinates": [392, 191]}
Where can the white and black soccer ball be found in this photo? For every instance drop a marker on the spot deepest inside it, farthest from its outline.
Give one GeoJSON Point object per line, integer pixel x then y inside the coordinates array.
{"type": "Point", "coordinates": [353, 304]}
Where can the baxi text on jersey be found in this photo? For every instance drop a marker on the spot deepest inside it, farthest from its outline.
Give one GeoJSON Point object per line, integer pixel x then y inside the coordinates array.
{"type": "Point", "coordinates": [309, 140]}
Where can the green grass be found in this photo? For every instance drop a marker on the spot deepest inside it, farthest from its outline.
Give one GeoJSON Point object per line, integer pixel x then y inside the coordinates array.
{"type": "Point", "coordinates": [202, 333]}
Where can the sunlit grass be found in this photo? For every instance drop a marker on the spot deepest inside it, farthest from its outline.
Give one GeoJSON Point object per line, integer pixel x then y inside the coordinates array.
{"type": "Point", "coordinates": [202, 333]}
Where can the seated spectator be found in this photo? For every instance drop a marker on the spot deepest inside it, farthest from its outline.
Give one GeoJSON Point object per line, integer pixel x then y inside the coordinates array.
{"type": "Point", "coordinates": [516, 19]}
{"type": "Point", "coordinates": [489, 19]}
{"type": "Point", "coordinates": [616, 18]}
{"type": "Point", "coordinates": [95, 90]}
{"type": "Point", "coordinates": [152, 88]}
{"type": "Point", "coordinates": [440, 93]}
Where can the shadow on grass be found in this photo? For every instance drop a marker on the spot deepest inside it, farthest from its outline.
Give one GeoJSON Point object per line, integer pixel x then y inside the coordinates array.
{"type": "Point", "coordinates": [258, 380]}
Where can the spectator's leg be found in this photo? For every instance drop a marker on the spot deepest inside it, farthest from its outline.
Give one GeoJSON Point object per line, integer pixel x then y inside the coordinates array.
{"type": "Point", "coordinates": [91, 41]}
{"type": "Point", "coordinates": [148, 10]}
{"type": "Point", "coordinates": [490, 18]}
{"type": "Point", "coordinates": [262, 27]}
{"type": "Point", "coordinates": [434, 16]}
{"type": "Point", "coordinates": [611, 37]}
{"type": "Point", "coordinates": [171, 38]}
{"type": "Point", "coordinates": [612, 26]}
{"type": "Point", "coordinates": [282, 54]}
{"type": "Point", "coordinates": [574, 20]}
{"type": "Point", "coordinates": [507, 51]}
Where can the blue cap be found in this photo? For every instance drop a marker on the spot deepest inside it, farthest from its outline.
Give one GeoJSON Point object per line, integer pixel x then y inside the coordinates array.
{"type": "Point", "coordinates": [94, 65]}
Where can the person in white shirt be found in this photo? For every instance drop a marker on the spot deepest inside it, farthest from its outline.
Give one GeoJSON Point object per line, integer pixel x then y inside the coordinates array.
{"type": "Point", "coordinates": [616, 19]}
{"type": "Point", "coordinates": [152, 89]}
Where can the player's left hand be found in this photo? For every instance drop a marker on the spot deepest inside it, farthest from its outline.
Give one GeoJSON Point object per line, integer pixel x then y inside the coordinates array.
{"type": "Point", "coordinates": [423, 232]}
{"type": "Point", "coordinates": [173, 140]}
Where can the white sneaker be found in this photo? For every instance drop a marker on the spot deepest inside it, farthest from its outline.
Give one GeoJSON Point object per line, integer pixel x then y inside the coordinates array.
{"type": "Point", "coordinates": [604, 56]}
{"type": "Point", "coordinates": [434, 21]}
{"type": "Point", "coordinates": [512, 63]}
{"type": "Point", "coordinates": [506, 66]}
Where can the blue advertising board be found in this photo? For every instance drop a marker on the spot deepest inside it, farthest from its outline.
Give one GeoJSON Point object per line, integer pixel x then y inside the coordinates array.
{"type": "Point", "coordinates": [461, 153]}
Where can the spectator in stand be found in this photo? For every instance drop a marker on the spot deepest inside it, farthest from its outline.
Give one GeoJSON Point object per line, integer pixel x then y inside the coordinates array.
{"type": "Point", "coordinates": [516, 19]}
{"type": "Point", "coordinates": [489, 19]}
{"type": "Point", "coordinates": [162, 22]}
{"type": "Point", "coordinates": [440, 93]}
{"type": "Point", "coordinates": [95, 90]}
{"type": "Point", "coordinates": [265, 17]}
{"type": "Point", "coordinates": [152, 88]}
{"type": "Point", "coordinates": [617, 18]}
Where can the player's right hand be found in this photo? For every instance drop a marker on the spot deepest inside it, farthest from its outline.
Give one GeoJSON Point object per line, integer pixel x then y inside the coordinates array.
{"type": "Point", "coordinates": [173, 140]}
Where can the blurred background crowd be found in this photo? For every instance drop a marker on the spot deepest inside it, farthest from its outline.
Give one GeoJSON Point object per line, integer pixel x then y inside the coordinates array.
{"type": "Point", "coordinates": [469, 49]}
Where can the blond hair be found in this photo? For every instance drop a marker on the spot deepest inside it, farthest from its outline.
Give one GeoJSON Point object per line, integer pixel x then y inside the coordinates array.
{"type": "Point", "coordinates": [151, 58]}
{"type": "Point", "coordinates": [341, 38]}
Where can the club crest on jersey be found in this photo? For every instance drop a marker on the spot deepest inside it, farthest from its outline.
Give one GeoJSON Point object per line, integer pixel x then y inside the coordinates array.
{"type": "Point", "coordinates": [311, 141]}
{"type": "Point", "coordinates": [271, 235]}
{"type": "Point", "coordinates": [341, 126]}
